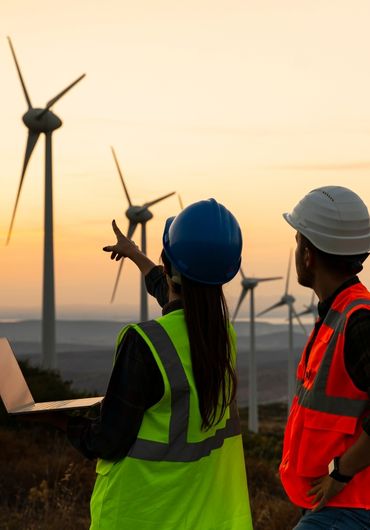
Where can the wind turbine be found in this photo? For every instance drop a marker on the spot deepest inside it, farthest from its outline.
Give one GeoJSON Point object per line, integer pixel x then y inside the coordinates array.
{"type": "Point", "coordinates": [249, 284]}
{"type": "Point", "coordinates": [38, 121]}
{"type": "Point", "coordinates": [288, 300]}
{"type": "Point", "coordinates": [180, 201]}
{"type": "Point", "coordinates": [136, 215]}
{"type": "Point", "coordinates": [310, 309]}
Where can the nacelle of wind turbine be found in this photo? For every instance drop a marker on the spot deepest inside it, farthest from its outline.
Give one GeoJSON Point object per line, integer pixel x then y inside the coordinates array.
{"type": "Point", "coordinates": [39, 121]}
{"type": "Point", "coordinates": [249, 283]}
{"type": "Point", "coordinates": [288, 299]}
{"type": "Point", "coordinates": [138, 214]}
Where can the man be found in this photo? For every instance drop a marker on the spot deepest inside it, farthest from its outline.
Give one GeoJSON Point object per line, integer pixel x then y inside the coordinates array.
{"type": "Point", "coordinates": [326, 456]}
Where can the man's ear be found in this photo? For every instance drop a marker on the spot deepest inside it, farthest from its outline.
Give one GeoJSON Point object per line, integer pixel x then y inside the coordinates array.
{"type": "Point", "coordinates": [309, 257]}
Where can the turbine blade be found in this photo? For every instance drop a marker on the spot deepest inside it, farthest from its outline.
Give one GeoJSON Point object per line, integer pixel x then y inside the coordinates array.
{"type": "Point", "coordinates": [58, 96]}
{"type": "Point", "coordinates": [288, 274]}
{"type": "Point", "coordinates": [180, 201]}
{"type": "Point", "coordinates": [121, 177]}
{"type": "Point", "coordinates": [130, 233]}
{"type": "Point", "coordinates": [268, 279]}
{"type": "Point", "coordinates": [31, 142]}
{"type": "Point", "coordinates": [305, 312]}
{"type": "Point", "coordinates": [20, 75]}
{"type": "Point", "coordinates": [295, 314]}
{"type": "Point", "coordinates": [241, 298]}
{"type": "Point", "coordinates": [147, 204]}
{"type": "Point", "coordinates": [278, 304]}
{"type": "Point", "coordinates": [242, 273]}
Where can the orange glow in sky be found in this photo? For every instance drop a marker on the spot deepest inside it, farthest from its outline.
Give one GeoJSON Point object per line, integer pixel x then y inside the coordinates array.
{"type": "Point", "coordinates": [254, 103]}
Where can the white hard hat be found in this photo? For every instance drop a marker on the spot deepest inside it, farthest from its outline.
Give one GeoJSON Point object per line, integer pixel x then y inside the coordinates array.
{"type": "Point", "coordinates": [334, 219]}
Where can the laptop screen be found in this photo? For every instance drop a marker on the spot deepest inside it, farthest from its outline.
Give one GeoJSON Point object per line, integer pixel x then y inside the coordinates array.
{"type": "Point", "coordinates": [14, 390]}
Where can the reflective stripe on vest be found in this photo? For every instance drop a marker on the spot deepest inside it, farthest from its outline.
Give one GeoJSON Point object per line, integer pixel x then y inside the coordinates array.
{"type": "Point", "coordinates": [178, 448]}
{"type": "Point", "coordinates": [316, 397]}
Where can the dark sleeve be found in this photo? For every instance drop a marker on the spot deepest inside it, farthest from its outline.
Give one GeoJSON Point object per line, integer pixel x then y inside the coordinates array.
{"type": "Point", "coordinates": [156, 285]}
{"type": "Point", "coordinates": [135, 385]}
{"type": "Point", "coordinates": [357, 353]}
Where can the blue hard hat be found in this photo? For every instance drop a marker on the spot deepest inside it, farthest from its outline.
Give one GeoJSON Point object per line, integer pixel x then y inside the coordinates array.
{"type": "Point", "coordinates": [204, 242]}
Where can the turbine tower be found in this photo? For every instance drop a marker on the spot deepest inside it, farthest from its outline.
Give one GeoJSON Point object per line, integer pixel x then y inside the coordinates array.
{"type": "Point", "coordinates": [310, 309]}
{"type": "Point", "coordinates": [38, 121]}
{"type": "Point", "coordinates": [249, 284]}
{"type": "Point", "coordinates": [288, 300]}
{"type": "Point", "coordinates": [136, 215]}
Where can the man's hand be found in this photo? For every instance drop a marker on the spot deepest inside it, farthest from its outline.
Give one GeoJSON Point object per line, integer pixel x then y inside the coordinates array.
{"type": "Point", "coordinates": [324, 489]}
{"type": "Point", "coordinates": [124, 246]}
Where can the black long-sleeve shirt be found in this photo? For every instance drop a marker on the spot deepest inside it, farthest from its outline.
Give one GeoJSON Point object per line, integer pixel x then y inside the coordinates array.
{"type": "Point", "coordinates": [136, 383]}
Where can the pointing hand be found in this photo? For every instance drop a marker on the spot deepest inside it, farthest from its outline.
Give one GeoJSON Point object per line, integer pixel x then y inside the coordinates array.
{"type": "Point", "coordinates": [124, 246]}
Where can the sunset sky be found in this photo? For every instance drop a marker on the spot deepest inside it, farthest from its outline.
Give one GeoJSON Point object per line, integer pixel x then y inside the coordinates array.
{"type": "Point", "coordinates": [253, 102]}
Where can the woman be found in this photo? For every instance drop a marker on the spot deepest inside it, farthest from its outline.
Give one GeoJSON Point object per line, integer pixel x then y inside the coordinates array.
{"type": "Point", "coordinates": [168, 437]}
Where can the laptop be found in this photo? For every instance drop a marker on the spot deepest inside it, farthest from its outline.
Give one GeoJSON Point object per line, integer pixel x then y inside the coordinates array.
{"type": "Point", "coordinates": [17, 396]}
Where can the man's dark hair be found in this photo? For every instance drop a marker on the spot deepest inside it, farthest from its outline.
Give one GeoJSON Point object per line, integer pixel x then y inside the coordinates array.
{"type": "Point", "coordinates": [348, 265]}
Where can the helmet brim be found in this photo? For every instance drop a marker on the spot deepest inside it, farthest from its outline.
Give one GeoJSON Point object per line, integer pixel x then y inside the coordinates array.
{"type": "Point", "coordinates": [329, 244]}
{"type": "Point", "coordinates": [289, 220]}
{"type": "Point", "coordinates": [166, 229]}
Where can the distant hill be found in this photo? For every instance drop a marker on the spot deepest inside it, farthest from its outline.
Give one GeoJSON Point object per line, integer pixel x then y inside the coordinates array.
{"type": "Point", "coordinates": [85, 350]}
{"type": "Point", "coordinates": [90, 332]}
{"type": "Point", "coordinates": [104, 332]}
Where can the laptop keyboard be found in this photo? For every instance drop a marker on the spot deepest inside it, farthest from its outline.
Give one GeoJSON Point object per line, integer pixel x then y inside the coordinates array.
{"type": "Point", "coordinates": [52, 404]}
{"type": "Point", "coordinates": [57, 405]}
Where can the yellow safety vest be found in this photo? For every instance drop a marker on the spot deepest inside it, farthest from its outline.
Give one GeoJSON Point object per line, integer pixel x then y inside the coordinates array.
{"type": "Point", "coordinates": [175, 476]}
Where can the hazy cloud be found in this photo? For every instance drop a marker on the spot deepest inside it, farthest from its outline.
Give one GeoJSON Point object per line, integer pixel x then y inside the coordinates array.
{"type": "Point", "coordinates": [344, 166]}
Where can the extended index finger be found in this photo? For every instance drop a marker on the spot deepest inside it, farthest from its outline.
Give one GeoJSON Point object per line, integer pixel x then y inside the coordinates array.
{"type": "Point", "coordinates": [116, 230]}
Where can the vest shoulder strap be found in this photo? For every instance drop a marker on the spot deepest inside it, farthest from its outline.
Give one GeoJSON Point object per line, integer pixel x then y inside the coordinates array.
{"type": "Point", "coordinates": [178, 449]}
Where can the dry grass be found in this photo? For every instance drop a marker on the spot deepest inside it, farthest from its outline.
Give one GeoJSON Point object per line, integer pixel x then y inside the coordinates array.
{"type": "Point", "coordinates": [45, 484]}
{"type": "Point", "coordinates": [271, 509]}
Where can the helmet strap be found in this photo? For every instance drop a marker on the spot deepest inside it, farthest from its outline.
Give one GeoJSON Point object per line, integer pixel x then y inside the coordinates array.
{"type": "Point", "coordinates": [175, 276]}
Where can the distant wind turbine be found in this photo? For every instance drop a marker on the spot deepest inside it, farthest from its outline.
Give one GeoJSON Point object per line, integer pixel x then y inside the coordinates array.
{"type": "Point", "coordinates": [310, 309]}
{"type": "Point", "coordinates": [39, 121]}
{"type": "Point", "coordinates": [180, 201]}
{"type": "Point", "coordinates": [136, 215]}
{"type": "Point", "coordinates": [249, 284]}
{"type": "Point", "coordinates": [288, 300]}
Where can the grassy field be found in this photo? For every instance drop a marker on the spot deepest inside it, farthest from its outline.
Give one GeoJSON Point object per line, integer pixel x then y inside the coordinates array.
{"type": "Point", "coordinates": [271, 509]}
{"type": "Point", "coordinates": [45, 484]}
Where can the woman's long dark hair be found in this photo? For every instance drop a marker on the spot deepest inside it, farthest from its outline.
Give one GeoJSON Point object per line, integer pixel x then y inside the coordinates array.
{"type": "Point", "coordinates": [207, 321]}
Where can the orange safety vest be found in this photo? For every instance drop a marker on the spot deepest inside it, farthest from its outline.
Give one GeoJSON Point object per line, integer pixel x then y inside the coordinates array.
{"type": "Point", "coordinates": [327, 411]}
